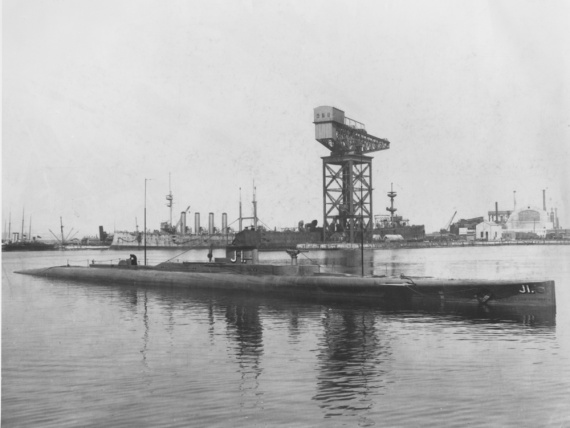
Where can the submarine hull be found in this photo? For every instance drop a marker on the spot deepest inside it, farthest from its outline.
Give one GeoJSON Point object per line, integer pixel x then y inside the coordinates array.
{"type": "Point", "coordinates": [261, 279]}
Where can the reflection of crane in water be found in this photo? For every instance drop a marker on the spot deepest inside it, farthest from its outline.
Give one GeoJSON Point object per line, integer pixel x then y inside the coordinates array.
{"type": "Point", "coordinates": [351, 361]}
{"type": "Point", "coordinates": [244, 326]}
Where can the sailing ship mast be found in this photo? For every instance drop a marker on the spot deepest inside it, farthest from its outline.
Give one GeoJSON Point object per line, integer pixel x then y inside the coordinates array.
{"type": "Point", "coordinates": [22, 236]}
{"type": "Point", "coordinates": [62, 238]}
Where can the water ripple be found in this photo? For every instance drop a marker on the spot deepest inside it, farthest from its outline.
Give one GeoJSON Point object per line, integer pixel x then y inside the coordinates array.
{"type": "Point", "coordinates": [109, 355]}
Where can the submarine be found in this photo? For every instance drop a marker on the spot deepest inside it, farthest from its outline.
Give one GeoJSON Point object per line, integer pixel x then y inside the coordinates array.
{"type": "Point", "coordinates": [241, 271]}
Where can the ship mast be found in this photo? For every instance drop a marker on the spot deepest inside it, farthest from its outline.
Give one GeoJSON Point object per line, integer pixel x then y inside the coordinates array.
{"type": "Point", "coordinates": [22, 237]}
{"type": "Point", "coordinates": [392, 195]}
{"type": "Point", "coordinates": [169, 198]}
{"type": "Point", "coordinates": [240, 213]}
{"type": "Point", "coordinates": [254, 217]}
{"type": "Point", "coordinates": [254, 208]}
{"type": "Point", "coordinates": [145, 180]}
{"type": "Point", "coordinates": [62, 238]}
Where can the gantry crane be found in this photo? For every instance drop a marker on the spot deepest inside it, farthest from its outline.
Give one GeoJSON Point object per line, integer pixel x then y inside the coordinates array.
{"type": "Point", "coordinates": [347, 172]}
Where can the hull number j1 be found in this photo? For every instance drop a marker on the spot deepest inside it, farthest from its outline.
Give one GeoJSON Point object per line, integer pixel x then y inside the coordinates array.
{"type": "Point", "coordinates": [525, 289]}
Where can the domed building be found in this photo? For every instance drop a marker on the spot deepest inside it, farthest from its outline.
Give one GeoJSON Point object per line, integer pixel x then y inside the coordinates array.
{"type": "Point", "coordinates": [529, 220]}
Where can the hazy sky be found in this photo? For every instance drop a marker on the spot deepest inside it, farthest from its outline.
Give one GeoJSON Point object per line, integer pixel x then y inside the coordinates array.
{"type": "Point", "coordinates": [474, 97]}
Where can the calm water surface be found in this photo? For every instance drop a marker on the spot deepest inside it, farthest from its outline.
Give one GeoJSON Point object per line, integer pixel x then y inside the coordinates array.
{"type": "Point", "coordinates": [109, 355]}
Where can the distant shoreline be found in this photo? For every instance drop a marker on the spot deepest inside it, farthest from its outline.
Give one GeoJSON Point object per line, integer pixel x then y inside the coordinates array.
{"type": "Point", "coordinates": [427, 244]}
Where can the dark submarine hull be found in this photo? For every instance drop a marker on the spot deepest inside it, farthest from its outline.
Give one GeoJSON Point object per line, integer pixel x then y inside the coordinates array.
{"type": "Point", "coordinates": [305, 280]}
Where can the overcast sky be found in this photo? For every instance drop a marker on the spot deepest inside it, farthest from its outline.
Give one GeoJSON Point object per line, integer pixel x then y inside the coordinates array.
{"type": "Point", "coordinates": [474, 97]}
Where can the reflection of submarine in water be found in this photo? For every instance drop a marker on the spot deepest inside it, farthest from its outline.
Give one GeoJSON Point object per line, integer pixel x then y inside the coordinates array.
{"type": "Point", "coordinates": [241, 270]}
{"type": "Point", "coordinates": [348, 325]}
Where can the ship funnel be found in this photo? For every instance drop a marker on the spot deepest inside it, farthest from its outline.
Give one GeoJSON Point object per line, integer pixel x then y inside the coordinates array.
{"type": "Point", "coordinates": [224, 223]}
{"type": "Point", "coordinates": [183, 222]}
{"type": "Point", "coordinates": [211, 224]}
{"type": "Point", "coordinates": [197, 223]}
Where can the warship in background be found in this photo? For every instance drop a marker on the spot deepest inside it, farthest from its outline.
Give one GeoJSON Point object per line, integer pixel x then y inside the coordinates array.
{"type": "Point", "coordinates": [179, 235]}
{"type": "Point", "coordinates": [394, 227]}
{"type": "Point", "coordinates": [387, 228]}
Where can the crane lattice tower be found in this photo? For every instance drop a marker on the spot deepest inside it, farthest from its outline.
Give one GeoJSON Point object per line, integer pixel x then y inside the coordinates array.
{"type": "Point", "coordinates": [347, 172]}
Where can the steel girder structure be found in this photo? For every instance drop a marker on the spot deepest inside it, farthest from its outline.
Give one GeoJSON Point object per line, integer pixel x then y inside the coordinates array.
{"type": "Point", "coordinates": [347, 172]}
{"type": "Point", "coordinates": [347, 194]}
{"type": "Point", "coordinates": [348, 140]}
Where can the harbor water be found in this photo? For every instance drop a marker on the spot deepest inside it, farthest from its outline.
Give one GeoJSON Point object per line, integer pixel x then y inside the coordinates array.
{"type": "Point", "coordinates": [77, 354]}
